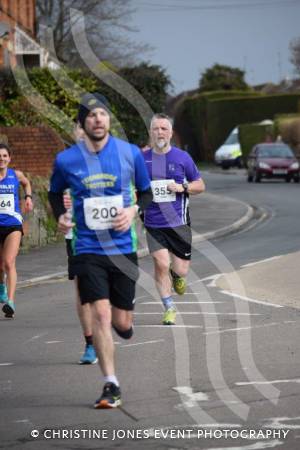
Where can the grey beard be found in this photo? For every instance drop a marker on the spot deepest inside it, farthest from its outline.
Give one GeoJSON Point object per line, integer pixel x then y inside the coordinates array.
{"type": "Point", "coordinates": [161, 144]}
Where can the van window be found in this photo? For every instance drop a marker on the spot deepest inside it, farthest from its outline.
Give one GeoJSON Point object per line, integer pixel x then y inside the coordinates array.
{"type": "Point", "coordinates": [232, 139]}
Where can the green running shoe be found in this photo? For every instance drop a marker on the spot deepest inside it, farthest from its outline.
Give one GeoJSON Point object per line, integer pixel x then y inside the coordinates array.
{"type": "Point", "coordinates": [179, 283]}
{"type": "Point", "coordinates": [169, 317]}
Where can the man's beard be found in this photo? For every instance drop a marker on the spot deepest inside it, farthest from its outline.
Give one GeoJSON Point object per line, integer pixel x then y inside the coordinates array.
{"type": "Point", "coordinates": [161, 144]}
{"type": "Point", "coordinates": [94, 138]}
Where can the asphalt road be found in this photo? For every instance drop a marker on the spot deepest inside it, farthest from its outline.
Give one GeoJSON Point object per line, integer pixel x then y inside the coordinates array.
{"type": "Point", "coordinates": [225, 377]}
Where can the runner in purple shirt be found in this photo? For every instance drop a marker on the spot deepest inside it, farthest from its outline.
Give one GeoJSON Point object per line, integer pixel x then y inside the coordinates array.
{"type": "Point", "coordinates": [174, 177]}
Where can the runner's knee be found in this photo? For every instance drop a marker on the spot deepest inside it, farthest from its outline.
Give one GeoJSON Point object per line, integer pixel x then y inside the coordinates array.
{"type": "Point", "coordinates": [127, 334]}
{"type": "Point", "coordinates": [102, 318]}
{"type": "Point", "coordinates": [9, 264]}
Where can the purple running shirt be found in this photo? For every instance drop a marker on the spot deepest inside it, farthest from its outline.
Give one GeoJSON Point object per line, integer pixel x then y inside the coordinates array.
{"type": "Point", "coordinates": [169, 209]}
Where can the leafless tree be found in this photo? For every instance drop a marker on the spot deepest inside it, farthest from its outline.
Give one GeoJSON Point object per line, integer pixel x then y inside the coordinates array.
{"type": "Point", "coordinates": [107, 25]}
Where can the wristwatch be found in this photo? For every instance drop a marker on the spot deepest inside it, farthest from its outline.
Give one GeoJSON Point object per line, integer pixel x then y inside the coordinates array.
{"type": "Point", "coordinates": [185, 187]}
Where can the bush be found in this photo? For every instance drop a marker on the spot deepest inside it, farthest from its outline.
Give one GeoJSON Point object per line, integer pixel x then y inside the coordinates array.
{"type": "Point", "coordinates": [288, 127]}
{"type": "Point", "coordinates": [54, 95]}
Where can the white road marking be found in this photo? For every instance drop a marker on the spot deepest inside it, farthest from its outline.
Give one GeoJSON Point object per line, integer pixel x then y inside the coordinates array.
{"type": "Point", "coordinates": [200, 313]}
{"type": "Point", "coordinates": [213, 282]}
{"type": "Point", "coordinates": [7, 364]}
{"type": "Point", "coordinates": [53, 342]}
{"type": "Point", "coordinates": [257, 446]}
{"type": "Point", "coordinates": [192, 397]}
{"type": "Point", "coordinates": [282, 423]}
{"type": "Point", "coordinates": [242, 383]}
{"type": "Point", "coordinates": [33, 338]}
{"type": "Point", "coordinates": [21, 421]}
{"type": "Point", "coordinates": [190, 293]}
{"type": "Point", "coordinates": [182, 303]}
{"type": "Point", "coordinates": [169, 327]}
{"type": "Point", "coordinates": [142, 343]}
{"type": "Point", "coordinates": [40, 279]}
{"type": "Point", "coordinates": [142, 296]}
{"type": "Point", "coordinates": [210, 277]}
{"type": "Point", "coordinates": [251, 300]}
{"type": "Point", "coordinates": [261, 261]}
{"type": "Point", "coordinates": [230, 330]}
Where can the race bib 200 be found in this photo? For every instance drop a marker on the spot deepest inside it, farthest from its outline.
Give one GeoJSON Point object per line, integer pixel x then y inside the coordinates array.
{"type": "Point", "coordinates": [99, 212]}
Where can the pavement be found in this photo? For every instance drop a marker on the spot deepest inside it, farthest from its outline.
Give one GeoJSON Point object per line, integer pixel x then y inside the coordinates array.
{"type": "Point", "coordinates": [212, 216]}
{"type": "Point", "coordinates": [273, 280]}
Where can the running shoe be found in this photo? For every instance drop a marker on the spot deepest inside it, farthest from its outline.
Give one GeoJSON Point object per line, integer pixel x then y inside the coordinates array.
{"type": "Point", "coordinates": [9, 309]}
{"type": "Point", "coordinates": [3, 294]}
{"type": "Point", "coordinates": [110, 398]}
{"type": "Point", "coordinates": [169, 317]}
{"type": "Point", "coordinates": [89, 356]}
{"type": "Point", "coordinates": [179, 283]}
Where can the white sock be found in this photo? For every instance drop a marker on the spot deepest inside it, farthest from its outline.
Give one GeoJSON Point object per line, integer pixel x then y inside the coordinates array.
{"type": "Point", "coordinates": [111, 379]}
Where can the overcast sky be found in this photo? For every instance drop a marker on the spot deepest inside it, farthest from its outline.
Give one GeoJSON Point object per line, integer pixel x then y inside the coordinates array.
{"type": "Point", "coordinates": [189, 36]}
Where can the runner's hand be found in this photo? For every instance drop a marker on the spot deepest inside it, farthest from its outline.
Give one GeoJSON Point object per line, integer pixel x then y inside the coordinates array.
{"type": "Point", "coordinates": [64, 223]}
{"type": "Point", "coordinates": [124, 218]}
{"type": "Point", "coordinates": [28, 206]}
{"type": "Point", "coordinates": [67, 201]}
{"type": "Point", "coordinates": [175, 187]}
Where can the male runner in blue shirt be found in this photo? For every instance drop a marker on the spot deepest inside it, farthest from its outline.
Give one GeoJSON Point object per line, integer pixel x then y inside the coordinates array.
{"type": "Point", "coordinates": [104, 175]}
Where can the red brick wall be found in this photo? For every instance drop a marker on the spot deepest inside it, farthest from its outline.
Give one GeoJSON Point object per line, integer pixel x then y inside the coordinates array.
{"type": "Point", "coordinates": [21, 12]}
{"type": "Point", "coordinates": [33, 148]}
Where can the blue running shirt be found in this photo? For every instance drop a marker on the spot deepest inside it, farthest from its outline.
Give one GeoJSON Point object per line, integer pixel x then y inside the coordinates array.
{"type": "Point", "coordinates": [10, 213]}
{"type": "Point", "coordinates": [99, 183]}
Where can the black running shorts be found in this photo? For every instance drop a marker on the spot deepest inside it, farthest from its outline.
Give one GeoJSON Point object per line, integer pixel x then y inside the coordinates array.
{"type": "Point", "coordinates": [5, 231]}
{"type": "Point", "coordinates": [106, 277]}
{"type": "Point", "coordinates": [177, 240]}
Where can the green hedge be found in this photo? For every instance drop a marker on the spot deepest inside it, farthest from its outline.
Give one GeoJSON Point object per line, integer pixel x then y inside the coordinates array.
{"type": "Point", "coordinates": [204, 121]}
{"type": "Point", "coordinates": [192, 125]}
{"type": "Point", "coordinates": [225, 114]}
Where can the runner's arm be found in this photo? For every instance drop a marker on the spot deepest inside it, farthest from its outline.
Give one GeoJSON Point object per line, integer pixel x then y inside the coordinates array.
{"type": "Point", "coordinates": [56, 201]}
{"type": "Point", "coordinates": [27, 190]}
{"type": "Point", "coordinates": [195, 187]}
{"type": "Point", "coordinates": [144, 198]}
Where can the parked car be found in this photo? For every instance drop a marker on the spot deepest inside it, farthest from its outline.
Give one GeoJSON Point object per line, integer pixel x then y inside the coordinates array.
{"type": "Point", "coordinates": [230, 154]}
{"type": "Point", "coordinates": [272, 160]}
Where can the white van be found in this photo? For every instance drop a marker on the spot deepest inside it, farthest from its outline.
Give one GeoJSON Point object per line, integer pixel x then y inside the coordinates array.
{"type": "Point", "coordinates": [230, 154]}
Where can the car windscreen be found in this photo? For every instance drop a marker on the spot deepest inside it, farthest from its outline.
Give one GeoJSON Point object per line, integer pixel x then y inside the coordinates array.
{"type": "Point", "coordinates": [232, 139]}
{"type": "Point", "coordinates": [280, 151]}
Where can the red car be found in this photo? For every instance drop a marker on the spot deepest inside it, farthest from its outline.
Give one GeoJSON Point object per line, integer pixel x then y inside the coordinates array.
{"type": "Point", "coordinates": [272, 160]}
